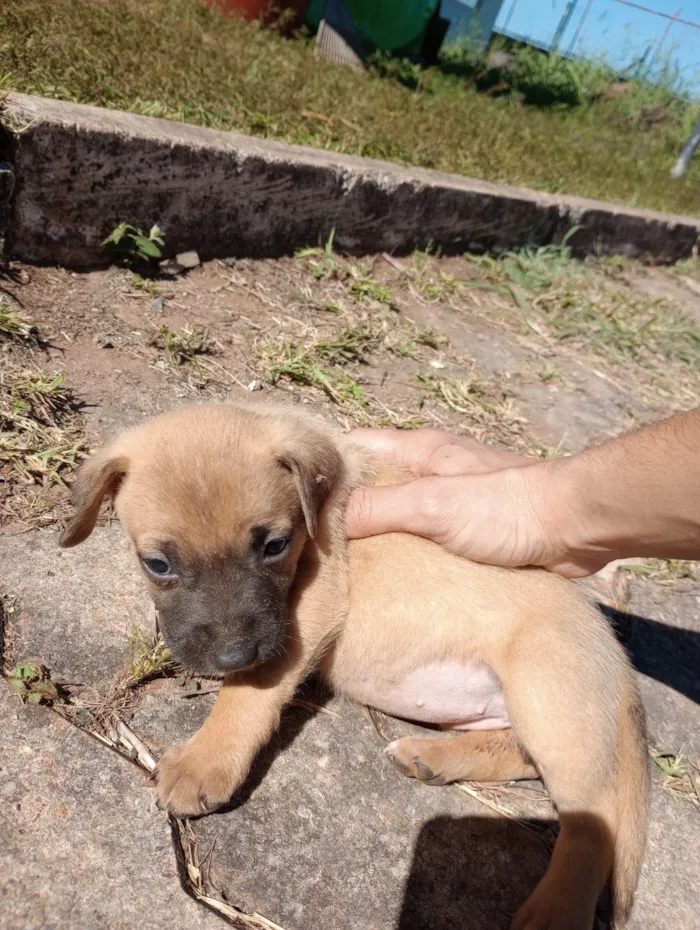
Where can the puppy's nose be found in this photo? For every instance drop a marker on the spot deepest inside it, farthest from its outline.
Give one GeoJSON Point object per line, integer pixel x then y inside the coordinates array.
{"type": "Point", "coordinates": [238, 656]}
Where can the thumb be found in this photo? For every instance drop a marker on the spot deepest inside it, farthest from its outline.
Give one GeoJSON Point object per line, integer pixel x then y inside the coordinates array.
{"type": "Point", "coordinates": [372, 511]}
{"type": "Point", "coordinates": [393, 509]}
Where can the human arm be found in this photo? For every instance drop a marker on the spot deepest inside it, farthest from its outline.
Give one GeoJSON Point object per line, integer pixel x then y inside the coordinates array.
{"type": "Point", "coordinates": [635, 496]}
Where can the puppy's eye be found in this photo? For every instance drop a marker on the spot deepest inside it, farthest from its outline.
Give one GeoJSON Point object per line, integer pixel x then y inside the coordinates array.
{"type": "Point", "coordinates": [275, 547]}
{"type": "Point", "coordinates": [157, 566]}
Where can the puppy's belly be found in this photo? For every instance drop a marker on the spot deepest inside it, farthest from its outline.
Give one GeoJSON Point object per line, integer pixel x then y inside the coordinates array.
{"type": "Point", "coordinates": [455, 695]}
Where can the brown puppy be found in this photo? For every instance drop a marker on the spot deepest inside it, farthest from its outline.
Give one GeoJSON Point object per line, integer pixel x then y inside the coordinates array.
{"type": "Point", "coordinates": [236, 513]}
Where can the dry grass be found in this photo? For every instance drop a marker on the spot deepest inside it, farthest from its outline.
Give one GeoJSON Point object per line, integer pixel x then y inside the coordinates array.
{"type": "Point", "coordinates": [484, 407]}
{"type": "Point", "coordinates": [588, 307]}
{"type": "Point", "coordinates": [14, 326]}
{"type": "Point", "coordinates": [680, 775]}
{"type": "Point", "coordinates": [665, 571]}
{"type": "Point", "coordinates": [150, 657]}
{"type": "Point", "coordinates": [40, 439]}
{"type": "Point", "coordinates": [184, 61]}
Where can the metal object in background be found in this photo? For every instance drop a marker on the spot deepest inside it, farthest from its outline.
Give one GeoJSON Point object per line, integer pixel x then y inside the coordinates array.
{"type": "Point", "coordinates": [681, 166]}
{"type": "Point", "coordinates": [337, 38]}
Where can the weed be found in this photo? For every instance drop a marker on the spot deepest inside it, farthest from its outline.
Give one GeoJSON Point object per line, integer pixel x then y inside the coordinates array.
{"type": "Point", "coordinates": [129, 244]}
{"type": "Point", "coordinates": [548, 372]}
{"type": "Point", "coordinates": [300, 365]}
{"type": "Point", "coordinates": [150, 657]}
{"type": "Point", "coordinates": [475, 398]}
{"type": "Point", "coordinates": [182, 348]}
{"type": "Point", "coordinates": [559, 299]}
{"type": "Point", "coordinates": [679, 775]}
{"type": "Point", "coordinates": [31, 683]}
{"type": "Point", "coordinates": [322, 263]}
{"type": "Point", "coordinates": [368, 291]}
{"type": "Point", "coordinates": [665, 571]}
{"type": "Point", "coordinates": [139, 283]}
{"type": "Point", "coordinates": [39, 439]}
{"type": "Point", "coordinates": [350, 345]}
{"type": "Point", "coordinates": [407, 341]}
{"type": "Point", "coordinates": [14, 326]}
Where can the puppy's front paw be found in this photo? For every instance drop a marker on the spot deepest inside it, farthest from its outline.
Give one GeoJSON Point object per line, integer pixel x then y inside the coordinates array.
{"type": "Point", "coordinates": [192, 779]}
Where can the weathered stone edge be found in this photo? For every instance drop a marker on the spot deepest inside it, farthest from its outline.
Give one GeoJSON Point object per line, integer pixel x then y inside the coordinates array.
{"type": "Point", "coordinates": [80, 170]}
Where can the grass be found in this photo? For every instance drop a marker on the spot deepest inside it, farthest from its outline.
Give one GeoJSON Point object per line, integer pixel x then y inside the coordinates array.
{"type": "Point", "coordinates": [183, 347]}
{"type": "Point", "coordinates": [14, 326]}
{"type": "Point", "coordinates": [182, 60]}
{"type": "Point", "coordinates": [302, 365]}
{"type": "Point", "coordinates": [665, 571]}
{"type": "Point", "coordinates": [680, 775]}
{"type": "Point", "coordinates": [486, 408]}
{"type": "Point", "coordinates": [40, 441]}
{"type": "Point", "coordinates": [566, 301]}
{"type": "Point", "coordinates": [150, 657]}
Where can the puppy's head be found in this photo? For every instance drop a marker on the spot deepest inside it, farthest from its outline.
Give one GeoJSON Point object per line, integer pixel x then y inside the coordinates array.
{"type": "Point", "coordinates": [219, 502]}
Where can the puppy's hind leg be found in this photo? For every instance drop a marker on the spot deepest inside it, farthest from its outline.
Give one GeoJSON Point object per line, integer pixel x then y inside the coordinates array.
{"type": "Point", "coordinates": [566, 710]}
{"type": "Point", "coordinates": [477, 755]}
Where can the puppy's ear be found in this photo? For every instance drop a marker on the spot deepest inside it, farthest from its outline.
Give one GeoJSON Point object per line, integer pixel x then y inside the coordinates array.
{"type": "Point", "coordinates": [101, 475]}
{"type": "Point", "coordinates": [315, 464]}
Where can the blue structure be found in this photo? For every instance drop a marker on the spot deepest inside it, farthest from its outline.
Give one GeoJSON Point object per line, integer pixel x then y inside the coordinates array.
{"type": "Point", "coordinates": [646, 34]}
{"type": "Point", "coordinates": [475, 19]}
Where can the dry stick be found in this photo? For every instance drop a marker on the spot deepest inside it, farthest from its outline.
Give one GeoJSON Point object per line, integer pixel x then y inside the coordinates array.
{"type": "Point", "coordinates": [122, 740]}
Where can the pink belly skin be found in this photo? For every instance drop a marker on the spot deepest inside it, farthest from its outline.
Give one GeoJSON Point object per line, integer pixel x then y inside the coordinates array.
{"type": "Point", "coordinates": [460, 697]}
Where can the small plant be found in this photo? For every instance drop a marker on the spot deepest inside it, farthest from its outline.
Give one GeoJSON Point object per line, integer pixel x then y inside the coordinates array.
{"type": "Point", "coordinates": [182, 348]}
{"type": "Point", "coordinates": [139, 283]}
{"type": "Point", "coordinates": [150, 657]}
{"type": "Point", "coordinates": [299, 364]}
{"type": "Point", "coordinates": [368, 291]}
{"type": "Point", "coordinates": [323, 263]}
{"type": "Point", "coordinates": [31, 683]}
{"type": "Point", "coordinates": [679, 775]}
{"type": "Point", "coordinates": [548, 372]}
{"type": "Point", "coordinates": [350, 345]}
{"type": "Point", "coordinates": [131, 244]}
{"type": "Point", "coordinates": [14, 326]}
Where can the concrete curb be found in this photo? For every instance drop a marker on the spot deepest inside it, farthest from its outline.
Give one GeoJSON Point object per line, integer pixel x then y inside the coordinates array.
{"type": "Point", "coordinates": [81, 170]}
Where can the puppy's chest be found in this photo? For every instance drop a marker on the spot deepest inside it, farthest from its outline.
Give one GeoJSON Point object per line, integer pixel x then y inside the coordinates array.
{"type": "Point", "coordinates": [463, 696]}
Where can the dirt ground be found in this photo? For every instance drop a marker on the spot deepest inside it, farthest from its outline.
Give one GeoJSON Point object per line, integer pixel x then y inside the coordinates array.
{"type": "Point", "coordinates": [535, 352]}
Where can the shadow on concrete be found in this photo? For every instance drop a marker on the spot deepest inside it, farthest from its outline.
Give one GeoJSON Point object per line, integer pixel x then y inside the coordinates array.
{"type": "Point", "coordinates": [460, 880]}
{"type": "Point", "coordinates": [669, 654]}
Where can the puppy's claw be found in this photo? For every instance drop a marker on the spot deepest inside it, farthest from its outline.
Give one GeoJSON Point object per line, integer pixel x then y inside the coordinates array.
{"type": "Point", "coordinates": [398, 763]}
{"type": "Point", "coordinates": [191, 781]}
{"type": "Point", "coordinates": [408, 762]}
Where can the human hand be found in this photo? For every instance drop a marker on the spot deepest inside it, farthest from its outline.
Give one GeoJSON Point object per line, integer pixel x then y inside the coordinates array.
{"type": "Point", "coordinates": [477, 501]}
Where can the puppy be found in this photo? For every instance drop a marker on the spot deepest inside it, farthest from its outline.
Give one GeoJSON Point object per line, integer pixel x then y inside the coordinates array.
{"type": "Point", "coordinates": [236, 515]}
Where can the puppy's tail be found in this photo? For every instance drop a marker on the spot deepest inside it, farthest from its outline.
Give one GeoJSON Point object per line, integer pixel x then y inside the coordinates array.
{"type": "Point", "coordinates": [632, 803]}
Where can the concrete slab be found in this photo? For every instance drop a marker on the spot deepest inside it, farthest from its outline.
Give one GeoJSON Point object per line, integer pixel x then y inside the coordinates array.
{"type": "Point", "coordinates": [81, 170]}
{"type": "Point", "coordinates": [83, 847]}
{"type": "Point", "coordinates": [325, 835]}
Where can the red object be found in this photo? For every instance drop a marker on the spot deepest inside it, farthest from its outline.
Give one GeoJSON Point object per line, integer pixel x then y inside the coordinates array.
{"type": "Point", "coordinates": [267, 11]}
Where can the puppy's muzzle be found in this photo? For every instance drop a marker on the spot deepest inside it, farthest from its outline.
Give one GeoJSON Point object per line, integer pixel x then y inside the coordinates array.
{"type": "Point", "coordinates": [232, 658]}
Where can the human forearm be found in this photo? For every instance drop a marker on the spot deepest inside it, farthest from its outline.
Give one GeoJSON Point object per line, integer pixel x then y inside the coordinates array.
{"type": "Point", "coordinates": [638, 495]}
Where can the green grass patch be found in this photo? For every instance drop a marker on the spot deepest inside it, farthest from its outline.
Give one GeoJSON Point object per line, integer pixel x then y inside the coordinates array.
{"type": "Point", "coordinates": [567, 301]}
{"type": "Point", "coordinates": [184, 61]}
